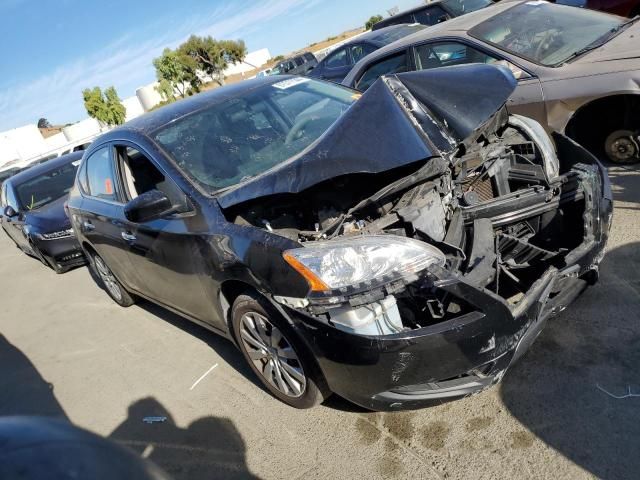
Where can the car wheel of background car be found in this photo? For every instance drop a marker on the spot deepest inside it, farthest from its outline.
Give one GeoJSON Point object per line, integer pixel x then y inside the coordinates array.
{"type": "Point", "coordinates": [275, 354]}
{"type": "Point", "coordinates": [622, 147]}
{"type": "Point", "coordinates": [113, 287]}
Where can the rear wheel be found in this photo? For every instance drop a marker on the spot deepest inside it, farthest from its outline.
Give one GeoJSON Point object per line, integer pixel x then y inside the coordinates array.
{"type": "Point", "coordinates": [275, 354]}
{"type": "Point", "coordinates": [110, 283]}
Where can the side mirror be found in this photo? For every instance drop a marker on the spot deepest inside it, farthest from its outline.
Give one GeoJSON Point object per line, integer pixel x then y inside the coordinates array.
{"type": "Point", "coordinates": [9, 211]}
{"type": "Point", "coordinates": [149, 206]}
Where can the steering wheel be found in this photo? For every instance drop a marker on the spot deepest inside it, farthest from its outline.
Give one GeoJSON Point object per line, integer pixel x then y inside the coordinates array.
{"type": "Point", "coordinates": [296, 130]}
{"type": "Point", "coordinates": [548, 37]}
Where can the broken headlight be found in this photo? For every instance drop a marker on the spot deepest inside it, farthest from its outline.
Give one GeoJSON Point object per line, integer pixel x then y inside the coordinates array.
{"type": "Point", "coordinates": [361, 261]}
{"type": "Point", "coordinates": [541, 138]}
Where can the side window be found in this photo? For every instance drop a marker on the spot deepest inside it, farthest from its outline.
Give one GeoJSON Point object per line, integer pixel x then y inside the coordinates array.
{"type": "Point", "coordinates": [100, 175]}
{"type": "Point", "coordinates": [9, 198]}
{"type": "Point", "coordinates": [140, 175]}
{"type": "Point", "coordinates": [358, 52]}
{"type": "Point", "coordinates": [298, 61]}
{"type": "Point", "coordinates": [394, 64]}
{"type": "Point", "coordinates": [82, 178]}
{"type": "Point", "coordinates": [431, 15]}
{"type": "Point", "coordinates": [338, 59]}
{"type": "Point", "coordinates": [309, 57]}
{"type": "Point", "coordinates": [444, 54]}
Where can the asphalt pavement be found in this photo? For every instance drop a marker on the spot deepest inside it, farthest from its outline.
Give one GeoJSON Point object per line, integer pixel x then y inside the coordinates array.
{"type": "Point", "coordinates": [67, 350]}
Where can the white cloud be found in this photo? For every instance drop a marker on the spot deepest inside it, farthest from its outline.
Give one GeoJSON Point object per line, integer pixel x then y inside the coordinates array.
{"type": "Point", "coordinates": [126, 63]}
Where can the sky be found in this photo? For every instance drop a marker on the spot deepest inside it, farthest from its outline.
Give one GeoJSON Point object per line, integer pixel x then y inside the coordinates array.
{"type": "Point", "coordinates": [51, 50]}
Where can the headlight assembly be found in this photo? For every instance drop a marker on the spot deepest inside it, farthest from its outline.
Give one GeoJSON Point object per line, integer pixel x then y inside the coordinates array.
{"type": "Point", "coordinates": [541, 138]}
{"type": "Point", "coordinates": [361, 261]}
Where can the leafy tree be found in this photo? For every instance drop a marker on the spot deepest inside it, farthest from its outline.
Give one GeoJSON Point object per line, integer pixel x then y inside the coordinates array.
{"type": "Point", "coordinates": [44, 123]}
{"type": "Point", "coordinates": [211, 56]}
{"type": "Point", "coordinates": [166, 91]}
{"type": "Point", "coordinates": [372, 21]}
{"type": "Point", "coordinates": [106, 108]}
{"type": "Point", "coordinates": [179, 70]}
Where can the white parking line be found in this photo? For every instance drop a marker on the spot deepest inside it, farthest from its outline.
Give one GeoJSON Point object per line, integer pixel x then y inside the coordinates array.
{"type": "Point", "coordinates": [202, 377]}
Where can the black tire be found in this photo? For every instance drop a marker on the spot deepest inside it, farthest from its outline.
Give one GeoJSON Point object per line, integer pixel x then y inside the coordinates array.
{"type": "Point", "coordinates": [109, 282]}
{"type": "Point", "coordinates": [250, 307]}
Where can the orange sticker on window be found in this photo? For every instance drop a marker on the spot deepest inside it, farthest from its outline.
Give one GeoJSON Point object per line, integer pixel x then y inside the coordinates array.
{"type": "Point", "coordinates": [108, 186]}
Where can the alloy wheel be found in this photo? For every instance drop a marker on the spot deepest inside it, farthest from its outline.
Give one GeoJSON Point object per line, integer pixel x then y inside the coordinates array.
{"type": "Point", "coordinates": [272, 354]}
{"type": "Point", "coordinates": [108, 279]}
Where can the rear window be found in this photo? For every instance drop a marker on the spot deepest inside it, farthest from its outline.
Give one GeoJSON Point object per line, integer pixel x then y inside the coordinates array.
{"type": "Point", "coordinates": [386, 37]}
{"type": "Point", "coordinates": [243, 137]}
{"type": "Point", "coordinates": [460, 7]}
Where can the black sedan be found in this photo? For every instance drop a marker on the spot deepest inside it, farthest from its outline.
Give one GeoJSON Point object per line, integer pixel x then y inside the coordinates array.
{"type": "Point", "coordinates": [33, 214]}
{"type": "Point", "coordinates": [338, 63]}
{"type": "Point", "coordinates": [394, 248]}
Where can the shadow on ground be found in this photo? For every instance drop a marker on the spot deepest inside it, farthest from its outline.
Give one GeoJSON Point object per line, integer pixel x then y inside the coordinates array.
{"type": "Point", "coordinates": [209, 447]}
{"type": "Point", "coordinates": [554, 390]}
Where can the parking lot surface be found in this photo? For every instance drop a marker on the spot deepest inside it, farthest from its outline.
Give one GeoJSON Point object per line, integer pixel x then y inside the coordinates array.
{"type": "Point", "coordinates": [67, 350]}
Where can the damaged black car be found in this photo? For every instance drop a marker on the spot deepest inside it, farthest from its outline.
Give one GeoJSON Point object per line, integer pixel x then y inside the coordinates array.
{"type": "Point", "coordinates": [395, 248]}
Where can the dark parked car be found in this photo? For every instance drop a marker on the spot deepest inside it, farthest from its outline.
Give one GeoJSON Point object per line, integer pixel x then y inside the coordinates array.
{"type": "Point", "coordinates": [434, 12]}
{"type": "Point", "coordinates": [8, 173]}
{"type": "Point", "coordinates": [578, 71]}
{"type": "Point", "coordinates": [33, 214]}
{"type": "Point", "coordinates": [624, 8]}
{"type": "Point", "coordinates": [338, 63]}
{"type": "Point", "coordinates": [396, 247]}
{"type": "Point", "coordinates": [298, 65]}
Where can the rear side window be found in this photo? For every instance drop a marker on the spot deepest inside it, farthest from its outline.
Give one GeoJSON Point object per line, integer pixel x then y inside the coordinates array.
{"type": "Point", "coordinates": [431, 15]}
{"type": "Point", "coordinates": [338, 59]}
{"type": "Point", "coordinates": [394, 64]}
{"type": "Point", "coordinates": [100, 175]}
{"type": "Point", "coordinates": [309, 57]}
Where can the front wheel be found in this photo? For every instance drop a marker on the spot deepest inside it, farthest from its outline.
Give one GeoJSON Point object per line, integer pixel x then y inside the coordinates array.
{"type": "Point", "coordinates": [110, 283]}
{"type": "Point", "coordinates": [622, 147]}
{"type": "Point", "coordinates": [275, 354]}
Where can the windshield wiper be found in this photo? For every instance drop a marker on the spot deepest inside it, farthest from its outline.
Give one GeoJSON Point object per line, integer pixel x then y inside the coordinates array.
{"type": "Point", "coordinates": [599, 43]}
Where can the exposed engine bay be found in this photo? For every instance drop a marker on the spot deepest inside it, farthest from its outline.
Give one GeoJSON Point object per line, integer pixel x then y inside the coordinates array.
{"type": "Point", "coordinates": [498, 211]}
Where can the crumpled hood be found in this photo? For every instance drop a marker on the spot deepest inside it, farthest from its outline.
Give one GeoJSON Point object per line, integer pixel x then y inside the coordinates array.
{"type": "Point", "coordinates": [49, 218]}
{"type": "Point", "coordinates": [400, 120]}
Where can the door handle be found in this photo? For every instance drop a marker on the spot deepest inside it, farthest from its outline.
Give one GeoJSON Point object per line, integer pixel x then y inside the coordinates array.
{"type": "Point", "coordinates": [88, 226]}
{"type": "Point", "coordinates": [129, 237]}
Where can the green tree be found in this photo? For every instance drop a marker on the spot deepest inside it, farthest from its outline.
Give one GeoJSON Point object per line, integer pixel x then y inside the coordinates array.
{"type": "Point", "coordinates": [372, 21]}
{"type": "Point", "coordinates": [212, 57]}
{"type": "Point", "coordinates": [166, 91]}
{"type": "Point", "coordinates": [178, 70]}
{"type": "Point", "coordinates": [106, 108]}
{"type": "Point", "coordinates": [44, 123]}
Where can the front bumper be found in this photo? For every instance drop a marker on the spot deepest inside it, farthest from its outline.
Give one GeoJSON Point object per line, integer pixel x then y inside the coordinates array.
{"type": "Point", "coordinates": [466, 354]}
{"type": "Point", "coordinates": [61, 254]}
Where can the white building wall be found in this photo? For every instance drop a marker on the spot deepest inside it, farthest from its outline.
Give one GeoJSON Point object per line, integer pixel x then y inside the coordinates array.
{"type": "Point", "coordinates": [148, 96]}
{"type": "Point", "coordinates": [252, 60]}
{"type": "Point", "coordinates": [83, 129]}
{"type": "Point", "coordinates": [57, 141]}
{"type": "Point", "coordinates": [133, 106]}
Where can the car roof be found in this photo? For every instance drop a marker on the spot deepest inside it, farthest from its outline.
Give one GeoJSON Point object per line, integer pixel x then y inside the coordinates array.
{"type": "Point", "coordinates": [36, 170]}
{"type": "Point", "coordinates": [458, 24]}
{"type": "Point", "coordinates": [151, 121]}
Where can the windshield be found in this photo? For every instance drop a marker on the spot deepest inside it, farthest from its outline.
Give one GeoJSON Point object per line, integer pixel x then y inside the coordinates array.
{"type": "Point", "coordinates": [242, 137]}
{"type": "Point", "coordinates": [385, 37]}
{"type": "Point", "coordinates": [47, 187]}
{"type": "Point", "coordinates": [547, 34]}
{"type": "Point", "coordinates": [460, 7]}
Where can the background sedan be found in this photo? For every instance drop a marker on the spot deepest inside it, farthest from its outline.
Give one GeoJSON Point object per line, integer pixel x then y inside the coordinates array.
{"type": "Point", "coordinates": [578, 71]}
{"type": "Point", "coordinates": [33, 213]}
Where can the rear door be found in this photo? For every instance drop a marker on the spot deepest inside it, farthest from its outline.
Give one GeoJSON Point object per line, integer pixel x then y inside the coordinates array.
{"type": "Point", "coordinates": [101, 215]}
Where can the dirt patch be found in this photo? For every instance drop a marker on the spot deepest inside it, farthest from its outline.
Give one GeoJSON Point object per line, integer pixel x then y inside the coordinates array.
{"type": "Point", "coordinates": [434, 435]}
{"type": "Point", "coordinates": [369, 433]}
{"type": "Point", "coordinates": [478, 423]}
{"type": "Point", "coordinates": [399, 425]}
{"type": "Point", "coordinates": [521, 440]}
{"type": "Point", "coordinates": [390, 465]}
